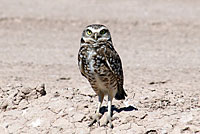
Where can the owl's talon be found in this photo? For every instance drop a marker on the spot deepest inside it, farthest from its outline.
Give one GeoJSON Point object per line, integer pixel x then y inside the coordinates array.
{"type": "Point", "coordinates": [106, 123]}
{"type": "Point", "coordinates": [96, 118]}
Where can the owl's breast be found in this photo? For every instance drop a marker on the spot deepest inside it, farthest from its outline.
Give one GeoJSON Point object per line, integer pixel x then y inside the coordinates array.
{"type": "Point", "coordinates": [94, 62]}
{"type": "Point", "coordinates": [90, 61]}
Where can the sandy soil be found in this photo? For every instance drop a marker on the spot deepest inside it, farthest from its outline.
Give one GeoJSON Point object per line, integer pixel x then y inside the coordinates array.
{"type": "Point", "coordinates": [42, 91]}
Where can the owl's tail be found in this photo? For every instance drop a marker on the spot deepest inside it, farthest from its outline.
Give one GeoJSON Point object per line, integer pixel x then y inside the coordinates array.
{"type": "Point", "coordinates": [120, 93]}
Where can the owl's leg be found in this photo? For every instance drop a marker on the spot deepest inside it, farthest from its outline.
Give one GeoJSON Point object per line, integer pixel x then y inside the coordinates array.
{"type": "Point", "coordinates": [109, 119]}
{"type": "Point", "coordinates": [97, 116]}
{"type": "Point", "coordinates": [109, 111]}
{"type": "Point", "coordinates": [98, 109]}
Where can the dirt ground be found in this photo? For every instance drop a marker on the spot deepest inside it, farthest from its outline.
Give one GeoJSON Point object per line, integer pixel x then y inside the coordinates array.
{"type": "Point", "coordinates": [42, 90]}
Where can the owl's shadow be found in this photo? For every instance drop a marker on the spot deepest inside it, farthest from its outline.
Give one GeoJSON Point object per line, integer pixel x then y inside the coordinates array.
{"type": "Point", "coordinates": [118, 110]}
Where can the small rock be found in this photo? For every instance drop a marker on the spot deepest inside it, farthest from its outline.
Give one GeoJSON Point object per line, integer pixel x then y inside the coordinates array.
{"type": "Point", "coordinates": [69, 95]}
{"type": "Point", "coordinates": [186, 129]}
{"type": "Point", "coordinates": [26, 90]}
{"type": "Point", "coordinates": [151, 132]}
{"type": "Point", "coordinates": [78, 117]}
{"type": "Point", "coordinates": [139, 114]}
{"type": "Point", "coordinates": [41, 89]}
{"type": "Point", "coordinates": [63, 78]}
{"type": "Point", "coordinates": [23, 104]}
{"type": "Point", "coordinates": [32, 95]}
{"type": "Point", "coordinates": [4, 105]}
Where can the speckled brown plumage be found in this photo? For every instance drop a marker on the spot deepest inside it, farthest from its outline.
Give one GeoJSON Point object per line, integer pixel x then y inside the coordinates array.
{"type": "Point", "coordinates": [101, 65]}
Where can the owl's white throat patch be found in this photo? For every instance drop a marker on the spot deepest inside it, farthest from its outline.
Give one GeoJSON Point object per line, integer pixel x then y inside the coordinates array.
{"type": "Point", "coordinates": [91, 60]}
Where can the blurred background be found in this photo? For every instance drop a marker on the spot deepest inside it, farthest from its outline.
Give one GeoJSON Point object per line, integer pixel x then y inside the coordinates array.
{"type": "Point", "coordinates": [146, 33]}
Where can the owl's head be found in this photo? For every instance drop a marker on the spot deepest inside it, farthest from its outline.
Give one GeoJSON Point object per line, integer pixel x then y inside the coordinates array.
{"type": "Point", "coordinates": [95, 33]}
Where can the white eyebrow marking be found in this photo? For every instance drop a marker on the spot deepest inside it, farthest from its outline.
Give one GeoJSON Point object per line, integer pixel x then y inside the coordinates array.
{"type": "Point", "coordinates": [96, 30]}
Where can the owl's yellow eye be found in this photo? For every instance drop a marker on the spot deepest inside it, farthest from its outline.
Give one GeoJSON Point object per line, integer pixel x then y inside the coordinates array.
{"type": "Point", "coordinates": [89, 32]}
{"type": "Point", "coordinates": [102, 31]}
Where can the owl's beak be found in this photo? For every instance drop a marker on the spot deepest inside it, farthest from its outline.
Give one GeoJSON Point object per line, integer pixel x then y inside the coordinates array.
{"type": "Point", "coordinates": [95, 36]}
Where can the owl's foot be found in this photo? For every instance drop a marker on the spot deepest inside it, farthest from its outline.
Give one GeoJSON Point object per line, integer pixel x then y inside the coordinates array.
{"type": "Point", "coordinates": [108, 122]}
{"type": "Point", "coordinates": [96, 118]}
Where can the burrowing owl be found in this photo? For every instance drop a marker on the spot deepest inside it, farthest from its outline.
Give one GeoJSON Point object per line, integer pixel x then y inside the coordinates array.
{"type": "Point", "coordinates": [101, 65]}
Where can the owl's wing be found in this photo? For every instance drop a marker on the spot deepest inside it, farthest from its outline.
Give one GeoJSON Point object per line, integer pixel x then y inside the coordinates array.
{"type": "Point", "coordinates": [80, 63]}
{"type": "Point", "coordinates": [114, 63]}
